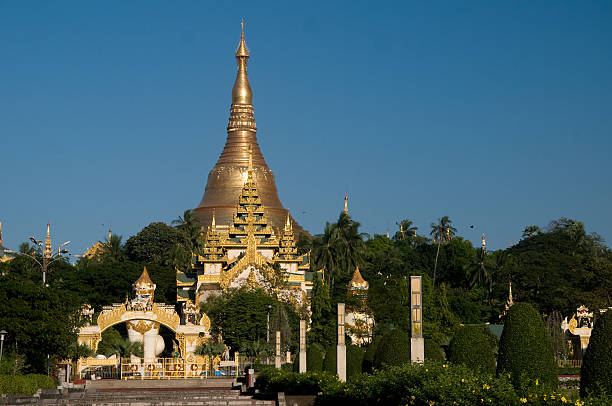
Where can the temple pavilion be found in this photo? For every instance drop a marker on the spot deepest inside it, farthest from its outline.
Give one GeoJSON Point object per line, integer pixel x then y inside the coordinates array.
{"type": "Point", "coordinates": [250, 252]}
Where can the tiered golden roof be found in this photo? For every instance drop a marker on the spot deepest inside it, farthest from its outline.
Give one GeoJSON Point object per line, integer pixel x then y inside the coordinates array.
{"type": "Point", "coordinates": [144, 280]}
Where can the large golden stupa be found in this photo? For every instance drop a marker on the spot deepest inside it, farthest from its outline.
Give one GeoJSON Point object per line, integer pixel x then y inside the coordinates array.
{"type": "Point", "coordinates": [227, 177]}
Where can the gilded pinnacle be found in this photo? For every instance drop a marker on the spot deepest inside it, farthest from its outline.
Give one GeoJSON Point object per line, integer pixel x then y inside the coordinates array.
{"type": "Point", "coordinates": [242, 93]}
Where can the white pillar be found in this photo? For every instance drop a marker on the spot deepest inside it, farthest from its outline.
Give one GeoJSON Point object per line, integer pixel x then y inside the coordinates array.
{"type": "Point", "coordinates": [277, 359]}
{"type": "Point", "coordinates": [341, 349]}
{"type": "Point", "coordinates": [417, 342]}
{"type": "Point", "coordinates": [302, 361]}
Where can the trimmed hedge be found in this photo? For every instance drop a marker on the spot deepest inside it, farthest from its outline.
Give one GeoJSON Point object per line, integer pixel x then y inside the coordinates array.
{"type": "Point", "coordinates": [310, 383]}
{"type": "Point", "coordinates": [393, 349]}
{"type": "Point", "coordinates": [473, 347]}
{"type": "Point", "coordinates": [433, 350]}
{"type": "Point", "coordinates": [354, 360]}
{"type": "Point", "coordinates": [25, 384]}
{"type": "Point", "coordinates": [525, 349]}
{"type": "Point", "coordinates": [596, 371]}
{"type": "Point", "coordinates": [314, 357]}
{"type": "Point", "coordinates": [368, 357]}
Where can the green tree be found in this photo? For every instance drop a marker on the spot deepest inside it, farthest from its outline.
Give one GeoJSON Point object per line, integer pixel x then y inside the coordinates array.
{"type": "Point", "coordinates": [40, 320]}
{"type": "Point", "coordinates": [595, 376]}
{"type": "Point", "coordinates": [530, 231]}
{"type": "Point", "coordinates": [525, 350]}
{"type": "Point", "coordinates": [323, 321]}
{"type": "Point", "coordinates": [474, 347]}
{"type": "Point", "coordinates": [157, 244]}
{"type": "Point", "coordinates": [443, 231]}
{"type": "Point", "coordinates": [113, 250]}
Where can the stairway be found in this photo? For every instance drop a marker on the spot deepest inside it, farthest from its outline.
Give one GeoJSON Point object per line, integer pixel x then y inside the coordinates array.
{"type": "Point", "coordinates": [143, 393]}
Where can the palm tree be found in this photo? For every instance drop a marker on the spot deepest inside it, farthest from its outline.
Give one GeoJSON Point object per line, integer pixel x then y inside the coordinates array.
{"type": "Point", "coordinates": [188, 226]}
{"type": "Point", "coordinates": [406, 230]}
{"type": "Point", "coordinates": [323, 252]}
{"type": "Point", "coordinates": [125, 348]}
{"type": "Point", "coordinates": [26, 248]}
{"type": "Point", "coordinates": [443, 231]}
{"type": "Point", "coordinates": [113, 249]}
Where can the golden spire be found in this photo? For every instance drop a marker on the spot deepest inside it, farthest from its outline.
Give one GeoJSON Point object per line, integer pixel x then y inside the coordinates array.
{"type": "Point", "coordinates": [510, 300]}
{"type": "Point", "coordinates": [483, 242]}
{"type": "Point", "coordinates": [214, 224]}
{"type": "Point", "coordinates": [288, 223]}
{"type": "Point", "coordinates": [47, 251]}
{"type": "Point", "coordinates": [242, 93]}
{"type": "Point", "coordinates": [109, 234]}
{"type": "Point", "coordinates": [346, 203]}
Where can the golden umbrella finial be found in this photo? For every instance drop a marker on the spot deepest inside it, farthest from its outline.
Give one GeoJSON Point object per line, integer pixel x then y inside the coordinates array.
{"type": "Point", "coordinates": [242, 50]}
{"type": "Point", "coordinates": [214, 223]}
{"type": "Point", "coordinates": [346, 203]}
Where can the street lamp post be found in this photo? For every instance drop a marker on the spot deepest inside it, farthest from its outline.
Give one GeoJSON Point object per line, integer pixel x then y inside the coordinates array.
{"type": "Point", "coordinates": [48, 255]}
{"type": "Point", "coordinates": [3, 333]}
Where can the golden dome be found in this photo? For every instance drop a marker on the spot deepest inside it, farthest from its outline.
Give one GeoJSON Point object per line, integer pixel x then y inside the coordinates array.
{"type": "Point", "coordinates": [358, 283]}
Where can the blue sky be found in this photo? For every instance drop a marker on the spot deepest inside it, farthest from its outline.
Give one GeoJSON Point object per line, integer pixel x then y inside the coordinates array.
{"type": "Point", "coordinates": [498, 115]}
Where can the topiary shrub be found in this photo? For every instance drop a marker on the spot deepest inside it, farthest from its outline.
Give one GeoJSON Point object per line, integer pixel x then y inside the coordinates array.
{"type": "Point", "coordinates": [25, 384]}
{"type": "Point", "coordinates": [368, 357]}
{"type": "Point", "coordinates": [473, 347]}
{"type": "Point", "coordinates": [595, 374]}
{"type": "Point", "coordinates": [393, 349]}
{"type": "Point", "coordinates": [329, 363]}
{"type": "Point", "coordinates": [525, 349]}
{"type": "Point", "coordinates": [433, 350]}
{"type": "Point", "coordinates": [314, 357]}
{"type": "Point", "coordinates": [354, 360]}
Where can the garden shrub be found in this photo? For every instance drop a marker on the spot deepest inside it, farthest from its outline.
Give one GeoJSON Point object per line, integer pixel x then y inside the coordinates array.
{"type": "Point", "coordinates": [596, 371]}
{"type": "Point", "coordinates": [330, 361]}
{"type": "Point", "coordinates": [368, 357]}
{"type": "Point", "coordinates": [435, 383]}
{"type": "Point", "coordinates": [354, 360]}
{"type": "Point", "coordinates": [393, 349]}
{"type": "Point", "coordinates": [525, 349]}
{"type": "Point", "coordinates": [314, 357]}
{"type": "Point", "coordinates": [433, 350]}
{"type": "Point", "coordinates": [473, 347]}
{"type": "Point", "coordinates": [25, 384]}
{"type": "Point", "coordinates": [309, 383]}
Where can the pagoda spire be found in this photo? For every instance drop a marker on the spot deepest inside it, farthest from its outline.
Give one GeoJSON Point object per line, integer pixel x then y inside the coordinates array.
{"type": "Point", "coordinates": [227, 178]}
{"type": "Point", "coordinates": [484, 245]}
{"type": "Point", "coordinates": [47, 251]}
{"type": "Point", "coordinates": [109, 233]}
{"type": "Point", "coordinates": [0, 234]}
{"type": "Point", "coordinates": [242, 93]}
{"type": "Point", "coordinates": [346, 203]}
{"type": "Point", "coordinates": [214, 223]}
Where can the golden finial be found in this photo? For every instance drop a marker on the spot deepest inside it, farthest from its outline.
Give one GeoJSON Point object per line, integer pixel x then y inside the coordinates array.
{"type": "Point", "coordinates": [387, 233]}
{"type": "Point", "coordinates": [47, 251]}
{"type": "Point", "coordinates": [109, 233]}
{"type": "Point", "coordinates": [346, 203]}
{"type": "Point", "coordinates": [242, 50]}
{"type": "Point", "coordinates": [483, 242]}
{"type": "Point", "coordinates": [214, 224]}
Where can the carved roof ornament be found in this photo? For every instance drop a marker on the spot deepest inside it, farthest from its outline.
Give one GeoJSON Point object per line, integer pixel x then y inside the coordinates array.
{"type": "Point", "coordinates": [357, 283]}
{"type": "Point", "coordinates": [144, 289]}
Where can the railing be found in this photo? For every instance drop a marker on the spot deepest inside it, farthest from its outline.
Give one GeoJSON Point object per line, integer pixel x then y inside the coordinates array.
{"type": "Point", "coordinates": [165, 368]}
{"type": "Point", "coordinates": [569, 363]}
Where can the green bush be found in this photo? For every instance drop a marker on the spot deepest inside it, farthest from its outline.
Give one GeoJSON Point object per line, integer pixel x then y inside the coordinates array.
{"type": "Point", "coordinates": [525, 349]}
{"type": "Point", "coordinates": [330, 361]}
{"type": "Point", "coordinates": [596, 372]}
{"type": "Point", "coordinates": [354, 360]}
{"type": "Point", "coordinates": [433, 350]}
{"type": "Point", "coordinates": [368, 357]}
{"type": "Point", "coordinates": [25, 384]}
{"type": "Point", "coordinates": [393, 349]}
{"type": "Point", "coordinates": [434, 383]}
{"type": "Point", "coordinates": [473, 347]}
{"type": "Point", "coordinates": [314, 357]}
{"type": "Point", "coordinates": [310, 383]}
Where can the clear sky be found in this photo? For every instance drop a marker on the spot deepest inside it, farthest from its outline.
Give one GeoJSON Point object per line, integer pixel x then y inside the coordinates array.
{"type": "Point", "coordinates": [497, 114]}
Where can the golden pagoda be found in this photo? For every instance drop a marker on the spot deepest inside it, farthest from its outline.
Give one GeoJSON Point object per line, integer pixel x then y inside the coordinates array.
{"type": "Point", "coordinates": [227, 177]}
{"type": "Point", "coordinates": [250, 252]}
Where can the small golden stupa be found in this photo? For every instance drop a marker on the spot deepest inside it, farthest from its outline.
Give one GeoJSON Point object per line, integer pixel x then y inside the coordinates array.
{"type": "Point", "coordinates": [227, 177]}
